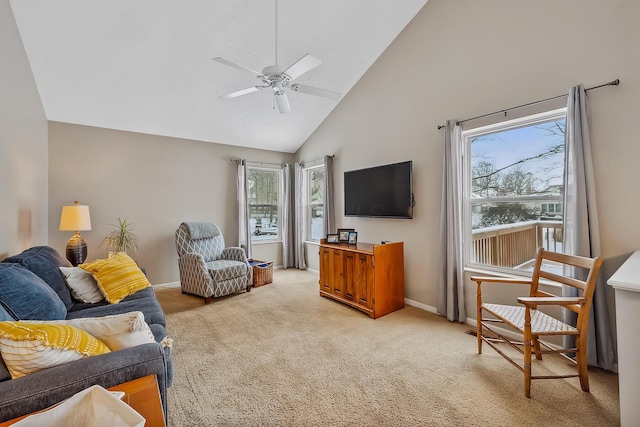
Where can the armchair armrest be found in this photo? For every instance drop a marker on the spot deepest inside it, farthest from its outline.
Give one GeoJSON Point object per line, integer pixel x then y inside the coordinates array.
{"type": "Point", "coordinates": [234, 253]}
{"type": "Point", "coordinates": [194, 262]}
{"type": "Point", "coordinates": [564, 301]}
{"type": "Point", "coordinates": [42, 389]}
{"type": "Point", "coordinates": [504, 280]}
{"type": "Point", "coordinates": [194, 275]}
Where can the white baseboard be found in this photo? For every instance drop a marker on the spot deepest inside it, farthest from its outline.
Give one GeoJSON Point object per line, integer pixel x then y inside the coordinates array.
{"type": "Point", "coordinates": [167, 285]}
{"type": "Point", "coordinates": [421, 306]}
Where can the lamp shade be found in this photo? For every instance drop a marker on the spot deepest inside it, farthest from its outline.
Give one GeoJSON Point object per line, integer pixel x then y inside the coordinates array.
{"type": "Point", "coordinates": [75, 218]}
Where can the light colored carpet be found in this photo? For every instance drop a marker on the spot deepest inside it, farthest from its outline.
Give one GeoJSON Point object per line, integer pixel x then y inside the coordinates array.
{"type": "Point", "coordinates": [281, 355]}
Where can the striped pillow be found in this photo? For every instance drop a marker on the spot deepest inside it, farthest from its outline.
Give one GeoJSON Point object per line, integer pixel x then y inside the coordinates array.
{"type": "Point", "coordinates": [117, 277]}
{"type": "Point", "coordinates": [29, 347]}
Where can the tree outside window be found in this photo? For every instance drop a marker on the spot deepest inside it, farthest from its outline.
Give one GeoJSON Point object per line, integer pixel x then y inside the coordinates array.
{"type": "Point", "coordinates": [264, 208]}
{"type": "Point", "coordinates": [315, 203]}
{"type": "Point", "coordinates": [514, 190]}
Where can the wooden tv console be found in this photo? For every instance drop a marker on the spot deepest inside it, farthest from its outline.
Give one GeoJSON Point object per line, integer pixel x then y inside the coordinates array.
{"type": "Point", "coordinates": [365, 276]}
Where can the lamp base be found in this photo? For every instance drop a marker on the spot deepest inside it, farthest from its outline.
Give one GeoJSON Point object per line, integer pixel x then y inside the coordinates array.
{"type": "Point", "coordinates": [76, 249]}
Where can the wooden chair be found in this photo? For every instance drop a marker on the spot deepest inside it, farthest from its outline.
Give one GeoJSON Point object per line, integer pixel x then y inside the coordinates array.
{"type": "Point", "coordinates": [532, 324]}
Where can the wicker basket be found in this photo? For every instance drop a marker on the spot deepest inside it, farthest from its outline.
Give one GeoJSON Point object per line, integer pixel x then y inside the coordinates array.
{"type": "Point", "coordinates": [262, 272]}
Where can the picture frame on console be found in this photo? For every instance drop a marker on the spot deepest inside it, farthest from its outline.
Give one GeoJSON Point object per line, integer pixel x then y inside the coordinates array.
{"type": "Point", "coordinates": [343, 234]}
{"type": "Point", "coordinates": [353, 238]}
{"type": "Point", "coordinates": [333, 238]}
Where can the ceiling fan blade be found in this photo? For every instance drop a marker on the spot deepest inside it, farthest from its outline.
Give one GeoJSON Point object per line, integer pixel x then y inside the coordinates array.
{"type": "Point", "coordinates": [240, 93]}
{"type": "Point", "coordinates": [283, 102]}
{"type": "Point", "coordinates": [237, 67]}
{"type": "Point", "coordinates": [301, 66]}
{"type": "Point", "coordinates": [310, 90]}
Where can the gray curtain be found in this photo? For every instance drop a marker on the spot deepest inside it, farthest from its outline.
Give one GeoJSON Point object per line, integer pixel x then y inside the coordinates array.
{"type": "Point", "coordinates": [298, 209]}
{"type": "Point", "coordinates": [329, 217]}
{"type": "Point", "coordinates": [244, 233]}
{"type": "Point", "coordinates": [288, 221]}
{"type": "Point", "coordinates": [581, 234]}
{"type": "Point", "coordinates": [292, 217]}
{"type": "Point", "coordinates": [451, 281]}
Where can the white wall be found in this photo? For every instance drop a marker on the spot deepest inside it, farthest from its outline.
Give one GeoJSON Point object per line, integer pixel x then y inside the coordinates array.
{"type": "Point", "coordinates": [155, 182]}
{"type": "Point", "coordinates": [464, 58]}
{"type": "Point", "coordinates": [23, 146]}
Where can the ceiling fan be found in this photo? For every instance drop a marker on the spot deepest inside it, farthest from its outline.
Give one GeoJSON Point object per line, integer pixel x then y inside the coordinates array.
{"type": "Point", "coordinates": [280, 79]}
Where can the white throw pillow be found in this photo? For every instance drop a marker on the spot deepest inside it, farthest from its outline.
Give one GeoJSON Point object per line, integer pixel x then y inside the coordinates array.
{"type": "Point", "coordinates": [117, 331]}
{"type": "Point", "coordinates": [82, 284]}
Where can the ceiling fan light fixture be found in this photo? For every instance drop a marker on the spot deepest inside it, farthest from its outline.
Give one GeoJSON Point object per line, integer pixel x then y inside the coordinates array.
{"type": "Point", "coordinates": [283, 102]}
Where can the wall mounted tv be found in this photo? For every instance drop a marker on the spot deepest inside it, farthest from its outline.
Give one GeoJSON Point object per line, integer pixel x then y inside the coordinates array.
{"type": "Point", "coordinates": [380, 192]}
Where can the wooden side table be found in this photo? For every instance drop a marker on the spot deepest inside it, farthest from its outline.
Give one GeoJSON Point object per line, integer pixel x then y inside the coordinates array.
{"type": "Point", "coordinates": [141, 394]}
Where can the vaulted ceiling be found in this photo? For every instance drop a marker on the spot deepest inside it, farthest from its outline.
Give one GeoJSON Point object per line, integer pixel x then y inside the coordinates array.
{"type": "Point", "coordinates": [145, 65]}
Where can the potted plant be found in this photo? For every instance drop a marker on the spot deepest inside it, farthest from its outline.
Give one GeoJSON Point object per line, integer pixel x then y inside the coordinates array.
{"type": "Point", "coordinates": [122, 239]}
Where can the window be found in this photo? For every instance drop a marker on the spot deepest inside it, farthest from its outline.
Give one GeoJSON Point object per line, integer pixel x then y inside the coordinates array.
{"type": "Point", "coordinates": [514, 185]}
{"type": "Point", "coordinates": [264, 203]}
{"type": "Point", "coordinates": [314, 215]}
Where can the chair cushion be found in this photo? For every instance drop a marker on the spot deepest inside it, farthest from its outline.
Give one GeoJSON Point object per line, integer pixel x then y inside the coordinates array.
{"type": "Point", "coordinates": [44, 261]}
{"type": "Point", "coordinates": [223, 269]}
{"type": "Point", "coordinates": [202, 230]}
{"type": "Point", "coordinates": [26, 296]}
{"type": "Point", "coordinates": [209, 248]}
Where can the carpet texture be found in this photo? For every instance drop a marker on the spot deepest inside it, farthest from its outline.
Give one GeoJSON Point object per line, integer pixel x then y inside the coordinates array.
{"type": "Point", "coordinates": [281, 355]}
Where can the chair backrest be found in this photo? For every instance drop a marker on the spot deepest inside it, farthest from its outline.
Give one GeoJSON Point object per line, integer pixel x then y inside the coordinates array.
{"type": "Point", "coordinates": [585, 269]}
{"type": "Point", "coordinates": [204, 238]}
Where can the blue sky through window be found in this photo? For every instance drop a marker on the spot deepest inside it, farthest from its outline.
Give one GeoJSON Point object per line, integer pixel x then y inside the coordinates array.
{"type": "Point", "coordinates": [506, 147]}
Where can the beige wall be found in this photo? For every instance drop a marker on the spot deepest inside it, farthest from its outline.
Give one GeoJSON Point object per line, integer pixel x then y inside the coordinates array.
{"type": "Point", "coordinates": [23, 146]}
{"type": "Point", "coordinates": [463, 58]}
{"type": "Point", "coordinates": [155, 182]}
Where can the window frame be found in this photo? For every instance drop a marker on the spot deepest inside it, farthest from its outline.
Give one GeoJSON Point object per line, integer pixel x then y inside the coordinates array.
{"type": "Point", "coordinates": [468, 201]}
{"type": "Point", "coordinates": [308, 206]}
{"type": "Point", "coordinates": [277, 237]}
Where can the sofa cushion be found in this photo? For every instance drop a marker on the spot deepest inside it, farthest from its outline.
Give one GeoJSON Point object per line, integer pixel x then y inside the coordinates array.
{"type": "Point", "coordinates": [117, 277]}
{"type": "Point", "coordinates": [4, 315]}
{"type": "Point", "coordinates": [44, 262]}
{"type": "Point", "coordinates": [26, 296]}
{"type": "Point", "coordinates": [4, 372]}
{"type": "Point", "coordinates": [82, 285]}
{"type": "Point", "coordinates": [29, 347]}
{"type": "Point", "coordinates": [144, 301]}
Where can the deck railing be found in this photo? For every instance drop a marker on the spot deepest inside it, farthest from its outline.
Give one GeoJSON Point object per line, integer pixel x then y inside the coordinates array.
{"type": "Point", "coordinates": [511, 245]}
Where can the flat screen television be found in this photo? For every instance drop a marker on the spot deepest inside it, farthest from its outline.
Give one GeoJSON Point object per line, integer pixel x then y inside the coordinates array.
{"type": "Point", "coordinates": [379, 192]}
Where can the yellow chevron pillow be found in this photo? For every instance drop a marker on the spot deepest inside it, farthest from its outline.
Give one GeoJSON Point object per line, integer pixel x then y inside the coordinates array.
{"type": "Point", "coordinates": [29, 347]}
{"type": "Point", "coordinates": [117, 277]}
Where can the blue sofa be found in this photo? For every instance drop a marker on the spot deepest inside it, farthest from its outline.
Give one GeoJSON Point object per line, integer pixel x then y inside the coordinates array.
{"type": "Point", "coordinates": [33, 288]}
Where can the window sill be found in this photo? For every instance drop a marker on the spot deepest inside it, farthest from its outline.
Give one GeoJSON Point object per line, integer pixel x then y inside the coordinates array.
{"type": "Point", "coordinates": [311, 242]}
{"type": "Point", "coordinates": [265, 242]}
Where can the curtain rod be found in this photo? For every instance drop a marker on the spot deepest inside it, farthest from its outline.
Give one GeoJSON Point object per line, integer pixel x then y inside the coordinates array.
{"type": "Point", "coordinates": [615, 82]}
{"type": "Point", "coordinates": [258, 163]}
{"type": "Point", "coordinates": [314, 162]}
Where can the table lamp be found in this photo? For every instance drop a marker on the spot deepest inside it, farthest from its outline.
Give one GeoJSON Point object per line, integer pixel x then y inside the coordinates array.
{"type": "Point", "coordinates": [76, 218]}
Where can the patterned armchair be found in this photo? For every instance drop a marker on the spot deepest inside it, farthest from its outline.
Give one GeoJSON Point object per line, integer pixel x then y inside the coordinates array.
{"type": "Point", "coordinates": [207, 268]}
